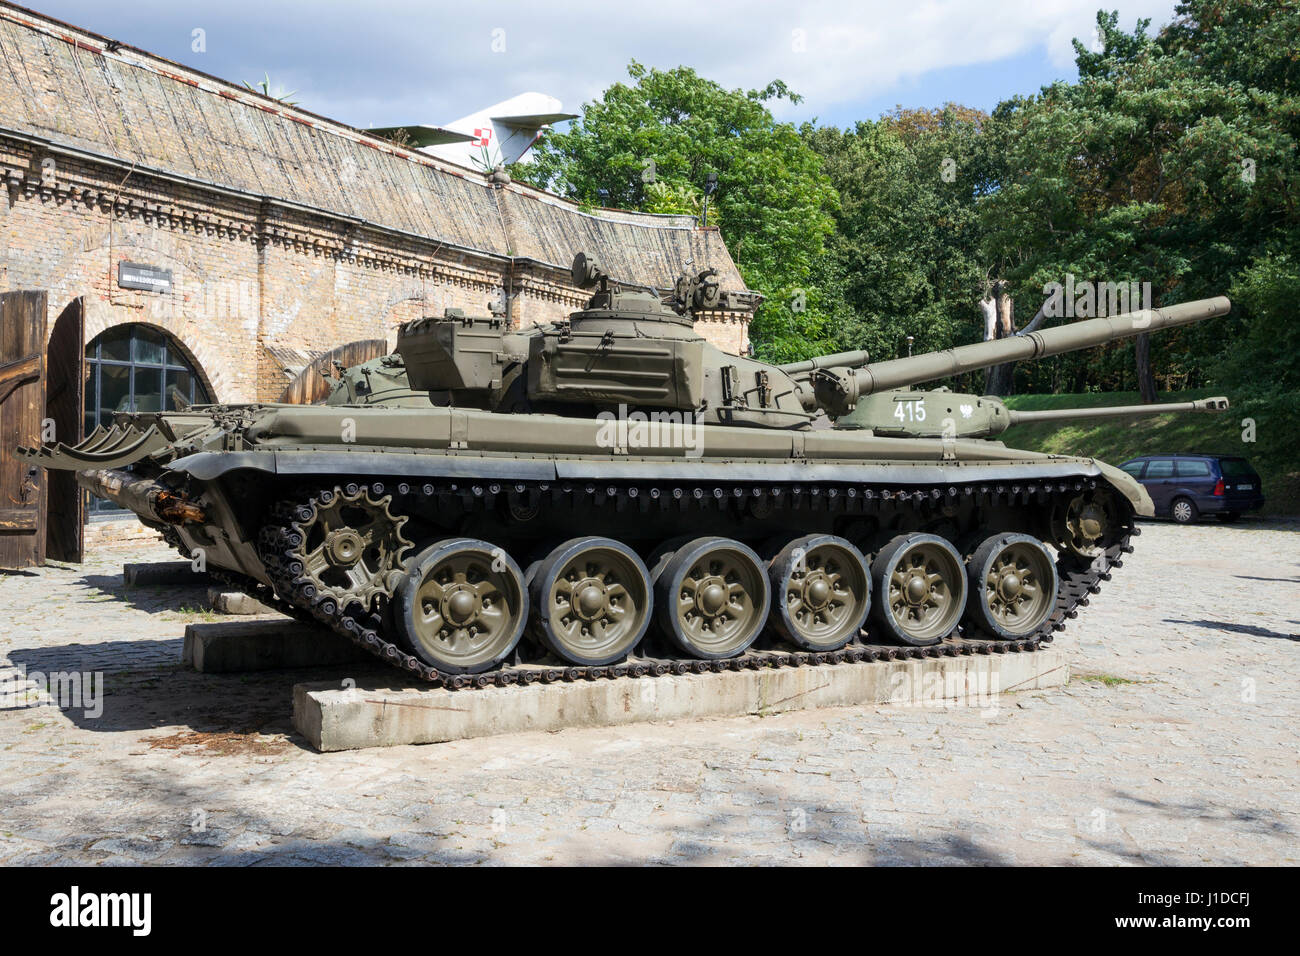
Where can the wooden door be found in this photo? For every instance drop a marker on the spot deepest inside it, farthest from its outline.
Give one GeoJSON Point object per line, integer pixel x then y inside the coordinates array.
{"type": "Point", "coordinates": [22, 406]}
{"type": "Point", "coordinates": [311, 387]}
{"type": "Point", "coordinates": [65, 381]}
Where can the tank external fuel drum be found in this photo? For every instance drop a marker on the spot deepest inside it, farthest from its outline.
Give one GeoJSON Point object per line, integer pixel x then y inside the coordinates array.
{"type": "Point", "coordinates": [141, 495]}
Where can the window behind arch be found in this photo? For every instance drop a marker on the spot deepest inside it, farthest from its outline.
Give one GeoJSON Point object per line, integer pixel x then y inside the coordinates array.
{"type": "Point", "coordinates": [136, 368]}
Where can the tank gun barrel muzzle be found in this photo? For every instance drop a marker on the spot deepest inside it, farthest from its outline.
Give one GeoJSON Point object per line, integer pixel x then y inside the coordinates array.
{"type": "Point", "coordinates": [901, 372]}
{"type": "Point", "coordinates": [141, 495]}
{"type": "Point", "coordinates": [1216, 404]}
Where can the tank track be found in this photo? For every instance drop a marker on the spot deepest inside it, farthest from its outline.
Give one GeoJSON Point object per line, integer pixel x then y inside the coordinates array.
{"type": "Point", "coordinates": [295, 596]}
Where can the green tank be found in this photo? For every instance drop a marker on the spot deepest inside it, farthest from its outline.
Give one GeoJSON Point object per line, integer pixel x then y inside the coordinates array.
{"type": "Point", "coordinates": [941, 413]}
{"type": "Point", "coordinates": [610, 495]}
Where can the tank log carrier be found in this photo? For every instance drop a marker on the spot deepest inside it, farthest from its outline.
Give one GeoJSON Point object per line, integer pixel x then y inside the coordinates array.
{"type": "Point", "coordinates": [610, 495]}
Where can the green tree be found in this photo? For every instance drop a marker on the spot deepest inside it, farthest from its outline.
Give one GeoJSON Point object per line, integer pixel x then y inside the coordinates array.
{"type": "Point", "coordinates": [905, 257]}
{"type": "Point", "coordinates": [1171, 161]}
{"type": "Point", "coordinates": [651, 145]}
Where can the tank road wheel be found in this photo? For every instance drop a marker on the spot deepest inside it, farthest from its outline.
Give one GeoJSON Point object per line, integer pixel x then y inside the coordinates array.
{"type": "Point", "coordinates": [592, 600]}
{"type": "Point", "coordinates": [1013, 586]}
{"type": "Point", "coordinates": [712, 598]}
{"type": "Point", "coordinates": [462, 605]}
{"type": "Point", "coordinates": [920, 584]}
{"type": "Point", "coordinates": [352, 546]}
{"type": "Point", "coordinates": [1081, 526]}
{"type": "Point", "coordinates": [821, 592]}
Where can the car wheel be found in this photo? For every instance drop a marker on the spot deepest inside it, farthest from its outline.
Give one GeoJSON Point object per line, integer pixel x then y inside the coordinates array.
{"type": "Point", "coordinates": [1183, 511]}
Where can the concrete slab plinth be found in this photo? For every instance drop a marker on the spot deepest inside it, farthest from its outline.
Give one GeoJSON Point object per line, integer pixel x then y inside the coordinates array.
{"type": "Point", "coordinates": [375, 715]}
{"type": "Point", "coordinates": [162, 573]}
{"type": "Point", "coordinates": [264, 645]}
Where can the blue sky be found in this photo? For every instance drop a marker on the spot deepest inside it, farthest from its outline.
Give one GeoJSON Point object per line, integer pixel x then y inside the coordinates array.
{"type": "Point", "coordinates": [388, 62]}
{"type": "Point", "coordinates": [981, 85]}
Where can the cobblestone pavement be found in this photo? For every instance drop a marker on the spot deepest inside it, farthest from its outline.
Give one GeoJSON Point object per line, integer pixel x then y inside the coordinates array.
{"type": "Point", "coordinates": [1174, 743]}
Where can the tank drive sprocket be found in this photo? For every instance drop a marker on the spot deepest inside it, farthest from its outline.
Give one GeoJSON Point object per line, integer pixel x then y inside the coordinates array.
{"type": "Point", "coordinates": [342, 543]}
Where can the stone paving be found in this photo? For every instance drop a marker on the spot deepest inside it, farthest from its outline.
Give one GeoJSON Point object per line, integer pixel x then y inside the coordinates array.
{"type": "Point", "coordinates": [1175, 743]}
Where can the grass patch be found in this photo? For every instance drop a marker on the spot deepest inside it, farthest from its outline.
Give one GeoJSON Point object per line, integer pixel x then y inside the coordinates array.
{"type": "Point", "coordinates": [1109, 680]}
{"type": "Point", "coordinates": [203, 613]}
{"type": "Point", "coordinates": [1274, 452]}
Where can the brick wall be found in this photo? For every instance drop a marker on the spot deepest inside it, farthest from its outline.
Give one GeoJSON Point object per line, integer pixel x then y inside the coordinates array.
{"type": "Point", "coordinates": [243, 277]}
{"type": "Point", "coordinates": [285, 233]}
{"type": "Point", "coordinates": [283, 230]}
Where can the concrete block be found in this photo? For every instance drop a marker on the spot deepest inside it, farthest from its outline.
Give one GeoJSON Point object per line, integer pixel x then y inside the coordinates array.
{"type": "Point", "coordinates": [377, 714]}
{"type": "Point", "coordinates": [163, 573]}
{"type": "Point", "coordinates": [264, 645]}
{"type": "Point", "coordinates": [235, 602]}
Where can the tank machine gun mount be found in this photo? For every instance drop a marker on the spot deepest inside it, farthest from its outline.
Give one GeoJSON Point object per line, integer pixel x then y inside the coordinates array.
{"type": "Point", "coordinates": [691, 292]}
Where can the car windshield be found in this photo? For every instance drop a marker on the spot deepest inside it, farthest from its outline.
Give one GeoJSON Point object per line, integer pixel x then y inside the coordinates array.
{"type": "Point", "coordinates": [1236, 468]}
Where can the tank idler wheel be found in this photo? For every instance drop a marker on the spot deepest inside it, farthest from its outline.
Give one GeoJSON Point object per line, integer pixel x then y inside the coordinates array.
{"type": "Point", "coordinates": [592, 601]}
{"type": "Point", "coordinates": [712, 598]}
{"type": "Point", "coordinates": [1013, 585]}
{"type": "Point", "coordinates": [462, 605]}
{"type": "Point", "coordinates": [1084, 526]}
{"type": "Point", "coordinates": [821, 592]}
{"type": "Point", "coordinates": [920, 585]}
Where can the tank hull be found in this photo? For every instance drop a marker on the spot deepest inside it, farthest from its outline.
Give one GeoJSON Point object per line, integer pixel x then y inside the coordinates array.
{"type": "Point", "coordinates": [525, 512]}
{"type": "Point", "coordinates": [271, 496]}
{"type": "Point", "coordinates": [261, 513]}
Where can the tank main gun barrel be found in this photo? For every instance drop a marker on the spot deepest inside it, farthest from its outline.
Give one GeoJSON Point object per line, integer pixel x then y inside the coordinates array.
{"type": "Point", "coordinates": [835, 360]}
{"type": "Point", "coordinates": [1216, 404]}
{"type": "Point", "coordinates": [897, 373]}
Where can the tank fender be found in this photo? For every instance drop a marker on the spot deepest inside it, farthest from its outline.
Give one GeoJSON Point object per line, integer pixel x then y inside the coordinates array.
{"type": "Point", "coordinates": [207, 466]}
{"type": "Point", "coordinates": [1130, 488]}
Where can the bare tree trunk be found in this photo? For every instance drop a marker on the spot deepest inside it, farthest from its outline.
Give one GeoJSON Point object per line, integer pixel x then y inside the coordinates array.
{"type": "Point", "coordinates": [1001, 377]}
{"type": "Point", "coordinates": [1145, 375]}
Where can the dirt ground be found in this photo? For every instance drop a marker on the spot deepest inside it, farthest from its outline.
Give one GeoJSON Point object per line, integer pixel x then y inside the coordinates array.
{"type": "Point", "coordinates": [1173, 743]}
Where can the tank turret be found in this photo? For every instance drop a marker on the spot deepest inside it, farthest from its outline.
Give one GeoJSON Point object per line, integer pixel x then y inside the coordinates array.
{"type": "Point", "coordinates": [633, 348]}
{"type": "Point", "coordinates": [630, 348]}
{"type": "Point", "coordinates": [940, 413]}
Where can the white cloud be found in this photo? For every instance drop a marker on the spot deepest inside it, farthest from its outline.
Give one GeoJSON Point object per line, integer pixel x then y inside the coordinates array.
{"type": "Point", "coordinates": [390, 61]}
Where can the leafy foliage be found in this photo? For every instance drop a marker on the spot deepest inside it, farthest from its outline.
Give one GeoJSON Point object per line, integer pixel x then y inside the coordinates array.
{"type": "Point", "coordinates": [904, 260]}
{"type": "Point", "coordinates": [651, 144]}
{"type": "Point", "coordinates": [1162, 165]}
{"type": "Point", "coordinates": [1172, 160]}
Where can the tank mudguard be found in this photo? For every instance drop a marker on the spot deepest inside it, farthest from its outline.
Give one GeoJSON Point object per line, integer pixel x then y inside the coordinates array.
{"type": "Point", "coordinates": [1130, 488]}
{"type": "Point", "coordinates": [415, 466]}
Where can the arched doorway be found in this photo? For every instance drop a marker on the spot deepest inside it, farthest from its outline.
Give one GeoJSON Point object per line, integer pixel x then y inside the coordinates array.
{"type": "Point", "coordinates": [137, 368]}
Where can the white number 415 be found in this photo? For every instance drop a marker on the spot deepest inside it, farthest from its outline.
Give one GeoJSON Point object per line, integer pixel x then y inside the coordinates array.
{"type": "Point", "coordinates": [910, 411]}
